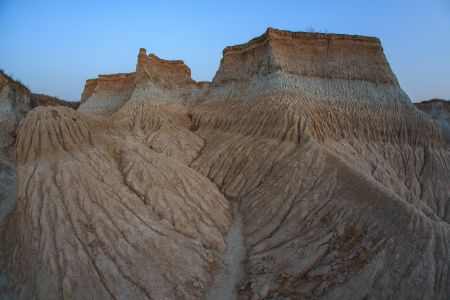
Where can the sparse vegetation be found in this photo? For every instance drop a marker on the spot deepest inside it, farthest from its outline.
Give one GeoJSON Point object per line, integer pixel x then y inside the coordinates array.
{"type": "Point", "coordinates": [313, 30]}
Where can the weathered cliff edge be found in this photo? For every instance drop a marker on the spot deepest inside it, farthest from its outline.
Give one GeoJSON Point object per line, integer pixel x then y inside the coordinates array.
{"type": "Point", "coordinates": [340, 183]}
{"type": "Point", "coordinates": [155, 79]}
{"type": "Point", "coordinates": [107, 92]}
{"type": "Point", "coordinates": [14, 103]}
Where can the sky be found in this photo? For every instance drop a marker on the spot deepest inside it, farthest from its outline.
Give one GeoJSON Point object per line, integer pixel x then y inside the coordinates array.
{"type": "Point", "coordinates": [54, 46]}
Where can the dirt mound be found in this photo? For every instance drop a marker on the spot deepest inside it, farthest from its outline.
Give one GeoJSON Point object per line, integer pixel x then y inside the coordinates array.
{"type": "Point", "coordinates": [339, 185]}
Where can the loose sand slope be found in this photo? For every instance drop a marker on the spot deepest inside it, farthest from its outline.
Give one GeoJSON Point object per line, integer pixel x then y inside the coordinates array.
{"type": "Point", "coordinates": [340, 186]}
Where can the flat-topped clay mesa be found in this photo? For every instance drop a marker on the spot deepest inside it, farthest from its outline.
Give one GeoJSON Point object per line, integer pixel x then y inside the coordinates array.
{"type": "Point", "coordinates": [302, 170]}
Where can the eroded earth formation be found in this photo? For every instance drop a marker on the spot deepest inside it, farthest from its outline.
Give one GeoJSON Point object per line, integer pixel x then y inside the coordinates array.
{"type": "Point", "coordinates": [302, 170]}
{"type": "Point", "coordinates": [439, 112]}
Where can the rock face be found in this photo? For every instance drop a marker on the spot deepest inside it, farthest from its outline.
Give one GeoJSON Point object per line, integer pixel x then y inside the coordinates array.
{"type": "Point", "coordinates": [14, 104]}
{"type": "Point", "coordinates": [107, 92]}
{"type": "Point", "coordinates": [155, 80]}
{"type": "Point", "coordinates": [301, 171]}
{"type": "Point", "coordinates": [439, 111]}
{"type": "Point", "coordinates": [16, 100]}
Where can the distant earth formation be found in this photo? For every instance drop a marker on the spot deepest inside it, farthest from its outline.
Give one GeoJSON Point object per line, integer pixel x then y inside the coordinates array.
{"type": "Point", "coordinates": [302, 170]}
{"type": "Point", "coordinates": [439, 111]}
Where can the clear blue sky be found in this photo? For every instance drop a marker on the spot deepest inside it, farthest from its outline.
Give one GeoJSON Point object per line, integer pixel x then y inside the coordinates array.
{"type": "Point", "coordinates": [54, 46]}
